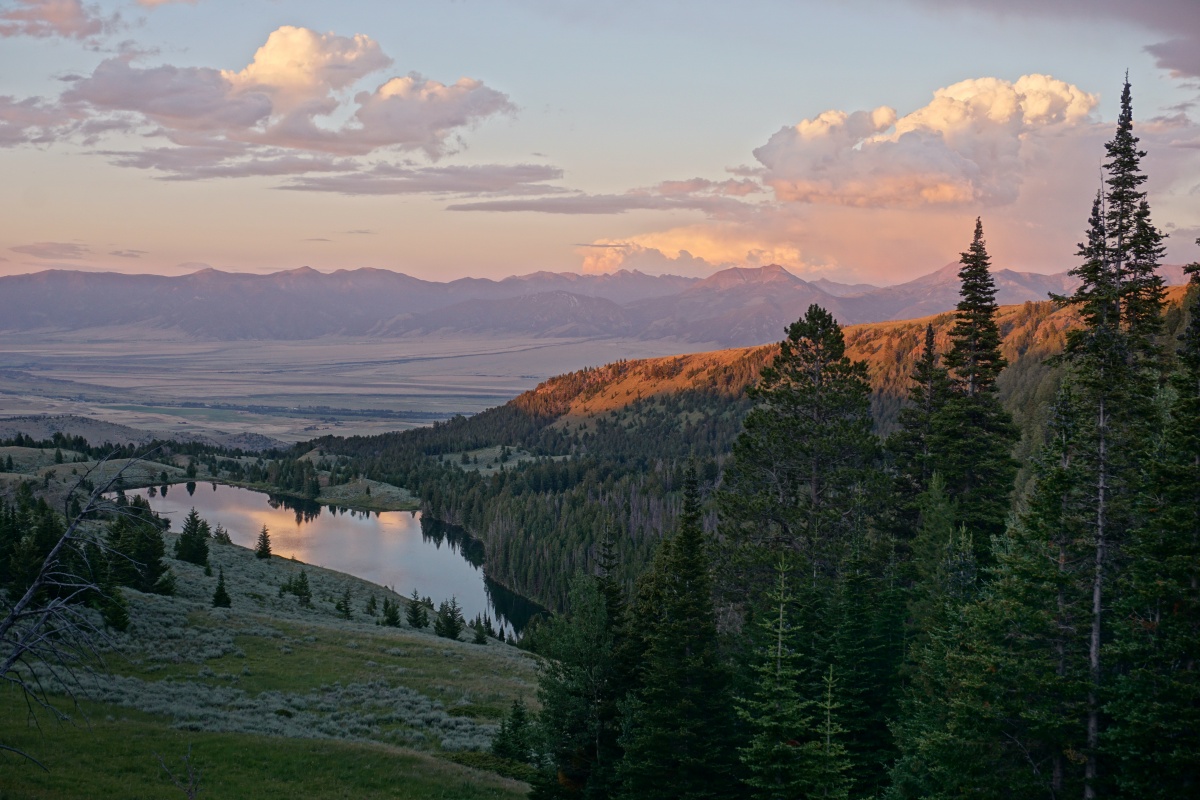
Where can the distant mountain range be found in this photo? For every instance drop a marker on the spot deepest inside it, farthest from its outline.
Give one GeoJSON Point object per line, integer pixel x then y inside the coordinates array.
{"type": "Point", "coordinates": [734, 307]}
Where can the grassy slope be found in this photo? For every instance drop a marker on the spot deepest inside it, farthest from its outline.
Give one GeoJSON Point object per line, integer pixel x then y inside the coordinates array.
{"type": "Point", "coordinates": [277, 700]}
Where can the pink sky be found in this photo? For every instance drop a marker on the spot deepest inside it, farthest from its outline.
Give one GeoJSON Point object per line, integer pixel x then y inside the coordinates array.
{"type": "Point", "coordinates": [841, 140]}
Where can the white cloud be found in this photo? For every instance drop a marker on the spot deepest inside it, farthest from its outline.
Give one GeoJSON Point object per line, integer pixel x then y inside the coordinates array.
{"type": "Point", "coordinates": [965, 146]}
{"type": "Point", "coordinates": [297, 66]}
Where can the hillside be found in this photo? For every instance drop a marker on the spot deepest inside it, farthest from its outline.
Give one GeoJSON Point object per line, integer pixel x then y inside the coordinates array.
{"type": "Point", "coordinates": [270, 698]}
{"type": "Point", "coordinates": [605, 446]}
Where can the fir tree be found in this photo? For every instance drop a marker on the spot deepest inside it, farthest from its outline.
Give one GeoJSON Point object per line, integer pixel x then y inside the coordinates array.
{"type": "Point", "coordinates": [679, 721]}
{"type": "Point", "coordinates": [262, 549]}
{"type": "Point", "coordinates": [192, 544]}
{"type": "Point", "coordinates": [220, 598]}
{"type": "Point", "coordinates": [372, 606]}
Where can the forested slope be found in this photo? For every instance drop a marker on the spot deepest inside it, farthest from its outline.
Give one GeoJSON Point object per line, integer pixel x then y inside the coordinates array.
{"type": "Point", "coordinates": [610, 442]}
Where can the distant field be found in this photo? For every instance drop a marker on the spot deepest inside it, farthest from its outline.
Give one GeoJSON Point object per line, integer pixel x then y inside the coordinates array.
{"type": "Point", "coordinates": [288, 390]}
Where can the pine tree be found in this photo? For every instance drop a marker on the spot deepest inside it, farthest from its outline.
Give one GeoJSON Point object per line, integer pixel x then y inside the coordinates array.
{"type": "Point", "coordinates": [578, 690]}
{"type": "Point", "coordinates": [262, 549]}
{"type": "Point", "coordinates": [804, 471]}
{"type": "Point", "coordinates": [780, 754]}
{"type": "Point", "coordinates": [1114, 362]}
{"type": "Point", "coordinates": [911, 447]}
{"type": "Point", "coordinates": [137, 554]}
{"type": "Point", "coordinates": [220, 598]}
{"type": "Point", "coordinates": [972, 435]}
{"type": "Point", "coordinates": [372, 606]}
{"type": "Point", "coordinates": [417, 613]}
{"type": "Point", "coordinates": [679, 721]}
{"type": "Point", "coordinates": [345, 605]}
{"type": "Point", "coordinates": [1154, 737]}
{"type": "Point", "coordinates": [514, 739]}
{"type": "Point", "coordinates": [449, 622]}
{"type": "Point", "coordinates": [391, 613]}
{"type": "Point", "coordinates": [192, 544]}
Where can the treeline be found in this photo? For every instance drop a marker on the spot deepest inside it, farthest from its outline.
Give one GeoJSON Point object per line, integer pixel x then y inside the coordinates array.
{"type": "Point", "coordinates": [879, 618]}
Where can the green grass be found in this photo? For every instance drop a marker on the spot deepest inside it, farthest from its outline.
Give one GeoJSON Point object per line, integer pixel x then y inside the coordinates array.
{"type": "Point", "coordinates": [113, 753]}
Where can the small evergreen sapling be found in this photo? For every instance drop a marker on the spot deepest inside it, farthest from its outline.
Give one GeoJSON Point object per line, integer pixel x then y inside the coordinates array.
{"type": "Point", "coordinates": [263, 548]}
{"type": "Point", "coordinates": [192, 544]}
{"type": "Point", "coordinates": [343, 605]}
{"type": "Point", "coordinates": [417, 613]}
{"type": "Point", "coordinates": [449, 622]}
{"type": "Point", "coordinates": [220, 598]}
{"type": "Point", "coordinates": [391, 613]}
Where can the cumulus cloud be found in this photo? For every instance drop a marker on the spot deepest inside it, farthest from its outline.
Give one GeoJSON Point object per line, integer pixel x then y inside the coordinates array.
{"type": "Point", "coordinates": [693, 250]}
{"type": "Point", "coordinates": [58, 251]}
{"type": "Point", "coordinates": [287, 113]}
{"type": "Point", "coordinates": [298, 66]}
{"type": "Point", "coordinates": [41, 19]}
{"type": "Point", "coordinates": [965, 146]}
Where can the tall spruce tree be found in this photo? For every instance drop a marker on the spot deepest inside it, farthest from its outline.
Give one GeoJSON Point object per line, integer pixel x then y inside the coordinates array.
{"type": "Point", "coordinates": [973, 435]}
{"type": "Point", "coordinates": [1114, 362]}
{"type": "Point", "coordinates": [677, 742]}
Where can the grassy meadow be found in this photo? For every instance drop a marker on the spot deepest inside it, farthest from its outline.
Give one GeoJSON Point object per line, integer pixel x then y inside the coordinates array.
{"type": "Point", "coordinates": [272, 698]}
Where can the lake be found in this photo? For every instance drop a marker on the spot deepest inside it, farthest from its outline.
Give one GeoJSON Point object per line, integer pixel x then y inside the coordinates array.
{"type": "Point", "coordinates": [398, 549]}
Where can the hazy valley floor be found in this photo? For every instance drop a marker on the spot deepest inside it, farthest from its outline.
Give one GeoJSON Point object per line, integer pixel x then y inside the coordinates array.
{"type": "Point", "coordinates": [289, 390]}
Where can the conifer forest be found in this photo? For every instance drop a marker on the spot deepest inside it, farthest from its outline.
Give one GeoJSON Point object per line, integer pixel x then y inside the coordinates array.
{"type": "Point", "coordinates": [794, 575]}
{"type": "Point", "coordinates": [837, 614]}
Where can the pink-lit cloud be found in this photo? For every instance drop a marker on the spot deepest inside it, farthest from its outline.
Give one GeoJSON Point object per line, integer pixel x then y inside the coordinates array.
{"type": "Point", "coordinates": [965, 146]}
{"type": "Point", "coordinates": [696, 194]}
{"type": "Point", "coordinates": [59, 251]}
{"type": "Point", "coordinates": [384, 179]}
{"type": "Point", "coordinates": [274, 117]}
{"type": "Point", "coordinates": [852, 189]}
{"type": "Point", "coordinates": [42, 19]}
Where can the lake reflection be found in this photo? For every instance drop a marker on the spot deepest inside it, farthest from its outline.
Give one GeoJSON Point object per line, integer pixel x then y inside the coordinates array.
{"type": "Point", "coordinates": [391, 548]}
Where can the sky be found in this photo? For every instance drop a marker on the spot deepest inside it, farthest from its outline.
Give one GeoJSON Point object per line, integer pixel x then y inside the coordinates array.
{"type": "Point", "coordinates": [844, 139]}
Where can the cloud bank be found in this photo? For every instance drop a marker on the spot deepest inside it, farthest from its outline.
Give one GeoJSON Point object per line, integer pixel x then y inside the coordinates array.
{"type": "Point", "coordinates": [288, 113]}
{"type": "Point", "coordinates": [850, 189]}
{"type": "Point", "coordinates": [964, 146]}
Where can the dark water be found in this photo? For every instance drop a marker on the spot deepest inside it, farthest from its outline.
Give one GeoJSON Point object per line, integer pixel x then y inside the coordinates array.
{"type": "Point", "coordinates": [399, 549]}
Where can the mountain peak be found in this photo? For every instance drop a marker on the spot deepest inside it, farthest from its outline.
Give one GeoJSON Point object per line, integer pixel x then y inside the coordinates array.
{"type": "Point", "coordinates": [745, 276]}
